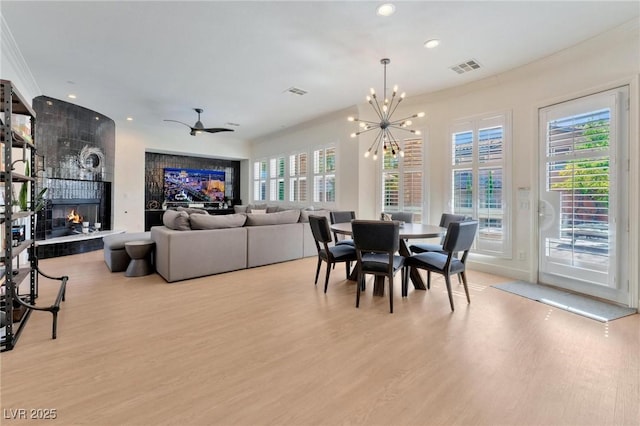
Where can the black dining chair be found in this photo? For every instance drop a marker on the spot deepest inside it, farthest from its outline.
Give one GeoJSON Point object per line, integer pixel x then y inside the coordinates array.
{"type": "Point", "coordinates": [445, 220]}
{"type": "Point", "coordinates": [459, 238]}
{"type": "Point", "coordinates": [376, 243]}
{"type": "Point", "coordinates": [332, 255]}
{"type": "Point", "coordinates": [342, 217]}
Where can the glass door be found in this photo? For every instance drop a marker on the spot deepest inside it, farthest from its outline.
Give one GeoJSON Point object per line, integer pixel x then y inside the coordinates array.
{"type": "Point", "coordinates": [582, 209]}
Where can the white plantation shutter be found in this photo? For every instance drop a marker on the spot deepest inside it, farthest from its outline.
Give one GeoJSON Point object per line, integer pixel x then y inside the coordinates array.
{"type": "Point", "coordinates": [298, 177]}
{"type": "Point", "coordinates": [402, 179]}
{"type": "Point", "coordinates": [478, 178]}
{"type": "Point", "coordinates": [260, 180]}
{"type": "Point", "coordinates": [324, 179]}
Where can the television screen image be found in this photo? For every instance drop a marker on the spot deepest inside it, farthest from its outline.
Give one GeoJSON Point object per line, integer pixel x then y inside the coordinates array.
{"type": "Point", "coordinates": [193, 185]}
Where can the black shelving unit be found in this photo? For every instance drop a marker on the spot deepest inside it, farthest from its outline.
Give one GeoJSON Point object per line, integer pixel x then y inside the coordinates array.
{"type": "Point", "coordinates": [16, 302]}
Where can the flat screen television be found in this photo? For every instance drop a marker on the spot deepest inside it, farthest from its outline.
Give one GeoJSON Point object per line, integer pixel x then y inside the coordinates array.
{"type": "Point", "coordinates": [193, 185]}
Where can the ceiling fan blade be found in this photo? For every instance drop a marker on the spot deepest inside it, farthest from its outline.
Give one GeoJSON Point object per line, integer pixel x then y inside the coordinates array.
{"type": "Point", "coordinates": [176, 121]}
{"type": "Point", "coordinates": [217, 129]}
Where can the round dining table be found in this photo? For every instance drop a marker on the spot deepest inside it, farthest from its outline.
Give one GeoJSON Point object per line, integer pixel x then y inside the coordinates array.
{"type": "Point", "coordinates": [408, 231]}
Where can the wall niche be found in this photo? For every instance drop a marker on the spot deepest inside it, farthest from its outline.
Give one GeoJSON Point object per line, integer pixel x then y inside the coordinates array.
{"type": "Point", "coordinates": [155, 163]}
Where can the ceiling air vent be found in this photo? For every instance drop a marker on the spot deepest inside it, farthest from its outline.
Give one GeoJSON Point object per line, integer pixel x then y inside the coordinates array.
{"type": "Point", "coordinates": [296, 91]}
{"type": "Point", "coordinates": [470, 65]}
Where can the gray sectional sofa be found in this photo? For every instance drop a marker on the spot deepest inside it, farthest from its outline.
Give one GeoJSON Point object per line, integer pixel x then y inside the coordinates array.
{"type": "Point", "coordinates": [193, 244]}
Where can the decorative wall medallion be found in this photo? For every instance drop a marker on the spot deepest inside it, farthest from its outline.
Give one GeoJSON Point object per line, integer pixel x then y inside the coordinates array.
{"type": "Point", "coordinates": [91, 159]}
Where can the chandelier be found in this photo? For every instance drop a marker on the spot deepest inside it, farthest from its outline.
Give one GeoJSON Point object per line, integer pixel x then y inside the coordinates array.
{"type": "Point", "coordinates": [385, 121]}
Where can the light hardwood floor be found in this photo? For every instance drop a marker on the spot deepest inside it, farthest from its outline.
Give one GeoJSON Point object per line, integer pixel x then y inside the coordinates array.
{"type": "Point", "coordinates": [264, 346]}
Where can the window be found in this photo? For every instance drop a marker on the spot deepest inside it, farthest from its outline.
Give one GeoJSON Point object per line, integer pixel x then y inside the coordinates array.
{"type": "Point", "coordinates": [260, 181]}
{"type": "Point", "coordinates": [298, 177]}
{"type": "Point", "coordinates": [324, 175]}
{"type": "Point", "coordinates": [478, 152]}
{"type": "Point", "coordinates": [402, 180]}
{"type": "Point", "coordinates": [276, 179]}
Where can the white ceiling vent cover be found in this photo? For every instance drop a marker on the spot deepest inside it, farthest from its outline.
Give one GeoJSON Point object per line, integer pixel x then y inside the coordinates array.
{"type": "Point", "coordinates": [296, 91]}
{"type": "Point", "coordinates": [467, 66]}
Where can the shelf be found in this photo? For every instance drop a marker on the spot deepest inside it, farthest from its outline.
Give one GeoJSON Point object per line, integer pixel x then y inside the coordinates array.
{"type": "Point", "coordinates": [19, 104]}
{"type": "Point", "coordinates": [16, 177]}
{"type": "Point", "coordinates": [17, 141]}
{"type": "Point", "coordinates": [16, 215]}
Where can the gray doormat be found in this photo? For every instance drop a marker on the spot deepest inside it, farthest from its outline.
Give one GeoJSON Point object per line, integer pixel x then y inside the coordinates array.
{"type": "Point", "coordinates": [581, 305]}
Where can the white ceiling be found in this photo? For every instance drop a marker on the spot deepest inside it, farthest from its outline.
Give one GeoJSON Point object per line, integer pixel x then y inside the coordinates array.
{"type": "Point", "coordinates": [158, 60]}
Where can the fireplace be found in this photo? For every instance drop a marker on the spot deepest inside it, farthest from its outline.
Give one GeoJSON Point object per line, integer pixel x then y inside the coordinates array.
{"type": "Point", "coordinates": [74, 216]}
{"type": "Point", "coordinates": [72, 205]}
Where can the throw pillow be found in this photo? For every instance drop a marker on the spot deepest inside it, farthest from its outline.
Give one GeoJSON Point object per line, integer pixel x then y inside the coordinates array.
{"type": "Point", "coordinates": [254, 211]}
{"type": "Point", "coordinates": [240, 209]}
{"type": "Point", "coordinates": [253, 207]}
{"type": "Point", "coordinates": [174, 219]}
{"type": "Point", "coordinates": [200, 221]}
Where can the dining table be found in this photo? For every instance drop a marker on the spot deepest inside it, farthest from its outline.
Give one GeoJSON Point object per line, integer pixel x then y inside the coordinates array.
{"type": "Point", "coordinates": [408, 231]}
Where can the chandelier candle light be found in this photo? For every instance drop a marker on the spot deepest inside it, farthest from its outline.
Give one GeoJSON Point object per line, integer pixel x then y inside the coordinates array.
{"type": "Point", "coordinates": [384, 112]}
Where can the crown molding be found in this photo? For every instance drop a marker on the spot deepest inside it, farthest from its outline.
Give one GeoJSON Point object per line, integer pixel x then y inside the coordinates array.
{"type": "Point", "coordinates": [12, 58]}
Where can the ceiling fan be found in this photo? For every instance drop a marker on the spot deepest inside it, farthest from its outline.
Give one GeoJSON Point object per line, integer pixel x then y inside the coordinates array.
{"type": "Point", "coordinates": [199, 127]}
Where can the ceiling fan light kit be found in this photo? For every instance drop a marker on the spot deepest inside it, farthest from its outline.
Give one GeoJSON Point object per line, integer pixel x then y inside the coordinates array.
{"type": "Point", "coordinates": [199, 127]}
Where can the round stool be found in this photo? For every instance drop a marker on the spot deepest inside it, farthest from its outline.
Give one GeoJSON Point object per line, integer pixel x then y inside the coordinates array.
{"type": "Point", "coordinates": [140, 253]}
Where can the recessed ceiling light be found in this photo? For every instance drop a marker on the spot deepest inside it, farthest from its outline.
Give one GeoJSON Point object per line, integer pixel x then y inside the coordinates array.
{"type": "Point", "coordinates": [71, 96]}
{"type": "Point", "coordinates": [386, 9]}
{"type": "Point", "coordinates": [129, 118]}
{"type": "Point", "coordinates": [430, 44]}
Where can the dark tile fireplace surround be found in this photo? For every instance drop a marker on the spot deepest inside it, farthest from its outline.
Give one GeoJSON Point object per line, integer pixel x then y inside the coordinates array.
{"type": "Point", "coordinates": [77, 146]}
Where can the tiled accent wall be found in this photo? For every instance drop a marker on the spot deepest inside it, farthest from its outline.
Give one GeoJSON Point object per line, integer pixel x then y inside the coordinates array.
{"type": "Point", "coordinates": [76, 155]}
{"type": "Point", "coordinates": [77, 143]}
{"type": "Point", "coordinates": [154, 174]}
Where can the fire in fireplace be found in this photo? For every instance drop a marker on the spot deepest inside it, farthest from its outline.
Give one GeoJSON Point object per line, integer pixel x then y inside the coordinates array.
{"type": "Point", "coordinates": [74, 217]}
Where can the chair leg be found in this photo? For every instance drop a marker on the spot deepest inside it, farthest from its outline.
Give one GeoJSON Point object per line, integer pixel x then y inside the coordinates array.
{"type": "Point", "coordinates": [348, 267]}
{"type": "Point", "coordinates": [447, 280]}
{"type": "Point", "coordinates": [428, 280]}
{"type": "Point", "coordinates": [360, 278]}
{"type": "Point", "coordinates": [326, 280]}
{"type": "Point", "coordinates": [391, 294]}
{"type": "Point", "coordinates": [405, 271]}
{"type": "Point", "coordinates": [318, 270]}
{"type": "Point", "coordinates": [464, 282]}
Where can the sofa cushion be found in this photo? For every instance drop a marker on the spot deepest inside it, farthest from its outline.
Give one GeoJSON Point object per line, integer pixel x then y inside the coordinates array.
{"type": "Point", "coordinates": [304, 214]}
{"type": "Point", "coordinates": [278, 218]}
{"type": "Point", "coordinates": [191, 210]}
{"type": "Point", "coordinates": [201, 221]}
{"type": "Point", "coordinates": [255, 211]}
{"type": "Point", "coordinates": [174, 219]}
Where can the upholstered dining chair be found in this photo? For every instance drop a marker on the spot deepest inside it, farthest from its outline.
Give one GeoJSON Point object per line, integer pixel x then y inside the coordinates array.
{"type": "Point", "coordinates": [459, 238]}
{"type": "Point", "coordinates": [445, 220]}
{"type": "Point", "coordinates": [341, 217]}
{"type": "Point", "coordinates": [332, 255]}
{"type": "Point", "coordinates": [376, 243]}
